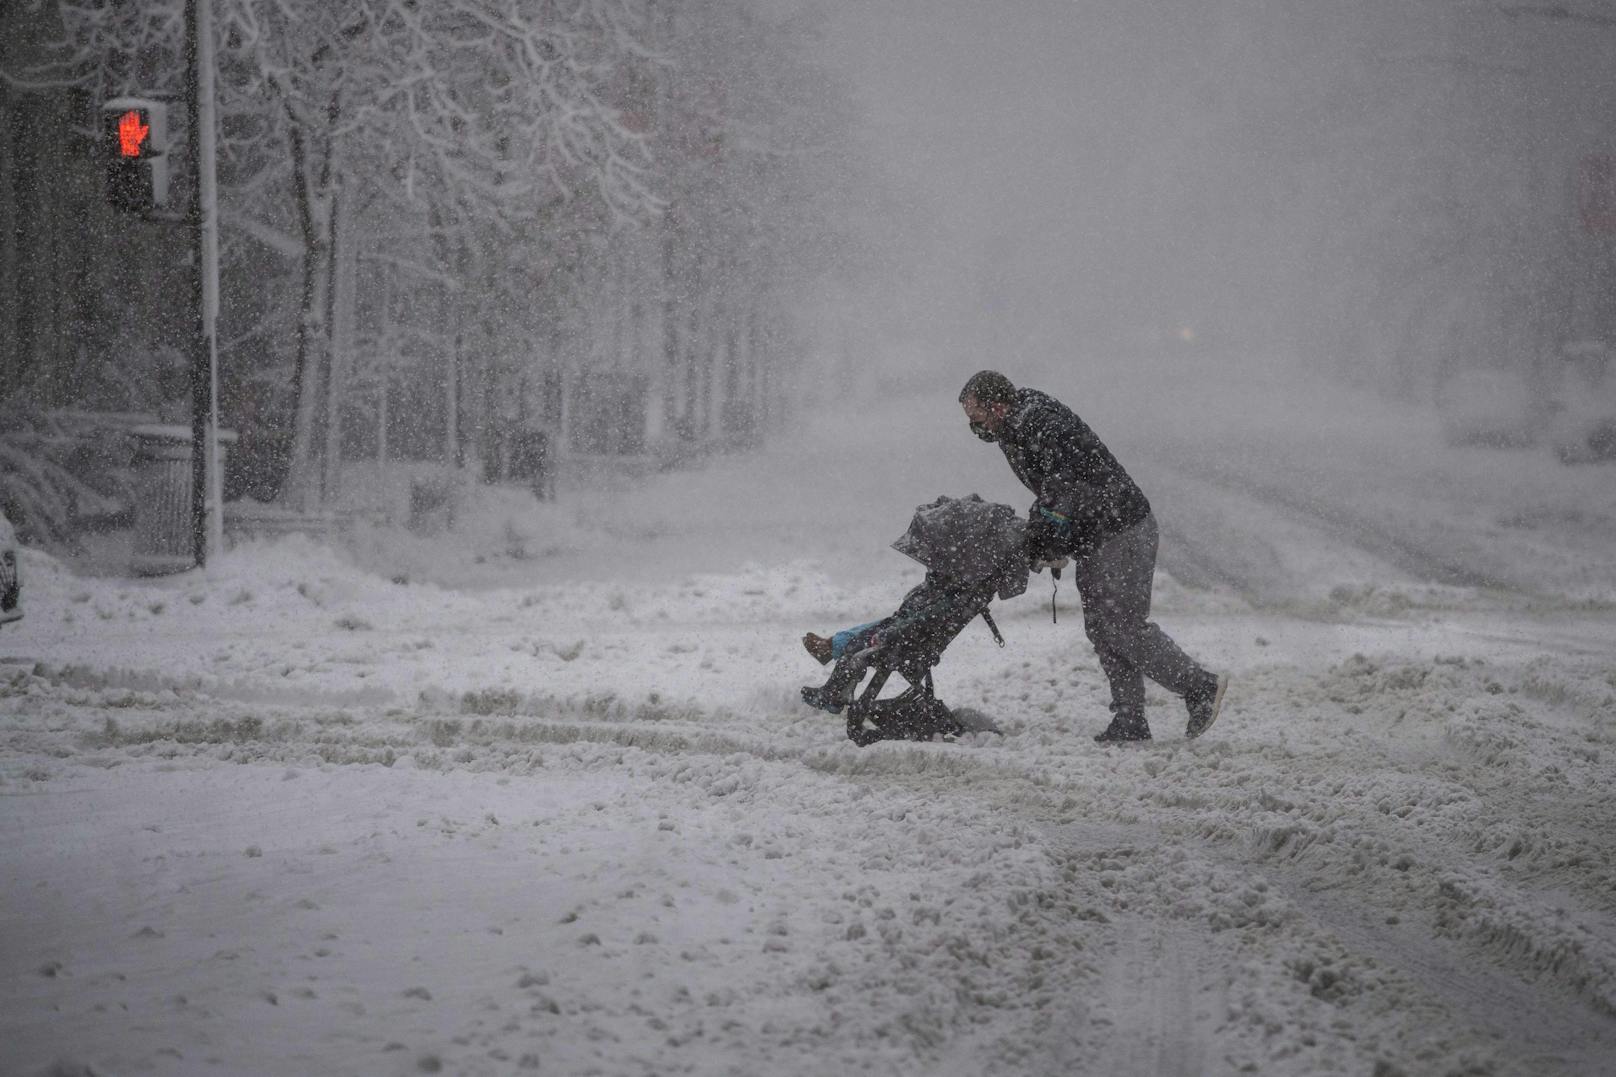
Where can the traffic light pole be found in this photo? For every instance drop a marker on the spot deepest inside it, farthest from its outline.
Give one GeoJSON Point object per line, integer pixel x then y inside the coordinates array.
{"type": "Point", "coordinates": [207, 486]}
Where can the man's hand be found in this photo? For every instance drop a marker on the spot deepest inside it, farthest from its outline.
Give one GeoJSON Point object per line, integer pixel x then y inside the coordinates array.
{"type": "Point", "coordinates": [1048, 535]}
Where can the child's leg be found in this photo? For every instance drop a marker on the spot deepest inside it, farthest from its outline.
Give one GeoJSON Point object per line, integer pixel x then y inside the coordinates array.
{"type": "Point", "coordinates": [826, 649]}
{"type": "Point", "coordinates": [851, 638]}
{"type": "Point", "coordinates": [837, 691]}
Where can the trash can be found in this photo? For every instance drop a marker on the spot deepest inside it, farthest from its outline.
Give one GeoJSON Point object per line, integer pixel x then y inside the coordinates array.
{"type": "Point", "coordinates": [163, 497]}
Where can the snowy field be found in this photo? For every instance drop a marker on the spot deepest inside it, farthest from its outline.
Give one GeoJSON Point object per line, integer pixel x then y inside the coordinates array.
{"type": "Point", "coordinates": [539, 795]}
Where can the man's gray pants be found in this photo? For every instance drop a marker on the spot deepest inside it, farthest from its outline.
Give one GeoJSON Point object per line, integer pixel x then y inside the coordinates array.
{"type": "Point", "coordinates": [1115, 583]}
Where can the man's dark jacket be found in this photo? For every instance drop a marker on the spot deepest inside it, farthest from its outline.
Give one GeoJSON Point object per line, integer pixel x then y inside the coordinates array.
{"type": "Point", "coordinates": [1071, 472]}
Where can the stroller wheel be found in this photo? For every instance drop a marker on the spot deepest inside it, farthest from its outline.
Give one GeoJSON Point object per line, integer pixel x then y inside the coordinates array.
{"type": "Point", "coordinates": [861, 734]}
{"type": "Point", "coordinates": [908, 717]}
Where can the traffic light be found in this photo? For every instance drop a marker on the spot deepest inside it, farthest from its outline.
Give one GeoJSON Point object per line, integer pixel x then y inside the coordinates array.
{"type": "Point", "coordinates": [134, 138]}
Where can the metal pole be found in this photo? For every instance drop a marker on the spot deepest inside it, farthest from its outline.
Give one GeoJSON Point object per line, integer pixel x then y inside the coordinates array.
{"type": "Point", "coordinates": [207, 523]}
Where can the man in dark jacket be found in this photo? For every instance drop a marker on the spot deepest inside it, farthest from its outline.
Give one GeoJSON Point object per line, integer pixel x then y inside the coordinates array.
{"type": "Point", "coordinates": [1088, 509]}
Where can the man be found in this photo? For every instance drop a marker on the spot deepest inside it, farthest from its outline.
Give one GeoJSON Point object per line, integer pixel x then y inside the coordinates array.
{"type": "Point", "coordinates": [1088, 509]}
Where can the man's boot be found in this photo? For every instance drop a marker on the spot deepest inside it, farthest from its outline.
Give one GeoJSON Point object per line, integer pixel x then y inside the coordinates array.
{"type": "Point", "coordinates": [1125, 727]}
{"type": "Point", "coordinates": [1204, 701]}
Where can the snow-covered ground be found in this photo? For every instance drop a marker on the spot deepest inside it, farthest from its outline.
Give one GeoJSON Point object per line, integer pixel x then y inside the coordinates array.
{"type": "Point", "coordinates": [539, 794]}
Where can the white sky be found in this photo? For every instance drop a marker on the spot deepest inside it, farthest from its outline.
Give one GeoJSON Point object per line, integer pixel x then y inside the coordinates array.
{"type": "Point", "coordinates": [1099, 172]}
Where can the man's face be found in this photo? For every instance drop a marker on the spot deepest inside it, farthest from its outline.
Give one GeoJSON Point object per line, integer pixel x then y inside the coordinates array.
{"type": "Point", "coordinates": [986, 419]}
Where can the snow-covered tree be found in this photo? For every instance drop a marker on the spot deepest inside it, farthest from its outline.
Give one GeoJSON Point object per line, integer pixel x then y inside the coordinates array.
{"type": "Point", "coordinates": [469, 216]}
{"type": "Point", "coordinates": [473, 114]}
{"type": "Point", "coordinates": [757, 164]}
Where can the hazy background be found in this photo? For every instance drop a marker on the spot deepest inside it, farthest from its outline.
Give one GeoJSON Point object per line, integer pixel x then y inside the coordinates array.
{"type": "Point", "coordinates": [1384, 191]}
{"type": "Point", "coordinates": [1193, 222]}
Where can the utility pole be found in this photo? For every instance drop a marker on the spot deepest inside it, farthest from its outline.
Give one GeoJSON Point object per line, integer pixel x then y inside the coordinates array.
{"type": "Point", "coordinates": [207, 485]}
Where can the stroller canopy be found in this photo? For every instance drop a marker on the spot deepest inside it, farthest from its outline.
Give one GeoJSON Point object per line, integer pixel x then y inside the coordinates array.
{"type": "Point", "coordinates": [970, 542]}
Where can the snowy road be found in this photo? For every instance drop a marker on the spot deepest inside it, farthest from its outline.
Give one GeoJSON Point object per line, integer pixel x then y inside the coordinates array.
{"type": "Point", "coordinates": [291, 817]}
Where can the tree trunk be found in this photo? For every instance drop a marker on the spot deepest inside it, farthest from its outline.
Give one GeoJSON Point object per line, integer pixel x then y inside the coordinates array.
{"type": "Point", "coordinates": [10, 357]}
{"type": "Point", "coordinates": [756, 356]}
{"type": "Point", "coordinates": [729, 409]}
{"type": "Point", "coordinates": [696, 346]}
{"type": "Point", "coordinates": [340, 334]}
{"type": "Point", "coordinates": [384, 368]}
{"type": "Point", "coordinates": [451, 403]}
{"type": "Point", "coordinates": [766, 387]}
{"type": "Point", "coordinates": [489, 420]}
{"type": "Point", "coordinates": [473, 366]}
{"type": "Point", "coordinates": [301, 490]}
{"type": "Point", "coordinates": [668, 381]}
{"type": "Point", "coordinates": [381, 426]}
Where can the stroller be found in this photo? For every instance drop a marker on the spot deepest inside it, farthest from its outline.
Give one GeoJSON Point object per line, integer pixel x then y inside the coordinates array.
{"type": "Point", "coordinates": [973, 551]}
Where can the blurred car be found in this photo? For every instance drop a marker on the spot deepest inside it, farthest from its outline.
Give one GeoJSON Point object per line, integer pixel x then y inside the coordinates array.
{"type": "Point", "coordinates": [1583, 428]}
{"type": "Point", "coordinates": [10, 584]}
{"type": "Point", "coordinates": [1490, 406]}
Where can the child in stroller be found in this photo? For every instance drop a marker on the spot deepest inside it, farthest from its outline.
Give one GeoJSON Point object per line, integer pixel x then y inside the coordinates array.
{"type": "Point", "coordinates": [973, 551]}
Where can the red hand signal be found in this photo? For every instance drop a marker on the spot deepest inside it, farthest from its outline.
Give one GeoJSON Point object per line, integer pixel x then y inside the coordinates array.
{"type": "Point", "coordinates": [131, 133]}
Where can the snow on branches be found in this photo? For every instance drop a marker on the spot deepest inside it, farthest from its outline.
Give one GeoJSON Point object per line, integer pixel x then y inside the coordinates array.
{"type": "Point", "coordinates": [506, 192]}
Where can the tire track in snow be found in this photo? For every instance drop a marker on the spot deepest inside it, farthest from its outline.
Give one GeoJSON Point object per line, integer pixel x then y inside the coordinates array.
{"type": "Point", "coordinates": [1160, 1005]}
{"type": "Point", "coordinates": [1330, 825]}
{"type": "Point", "coordinates": [1546, 1030]}
{"type": "Point", "coordinates": [1269, 555]}
{"type": "Point", "coordinates": [1399, 839]}
{"type": "Point", "coordinates": [1418, 558]}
